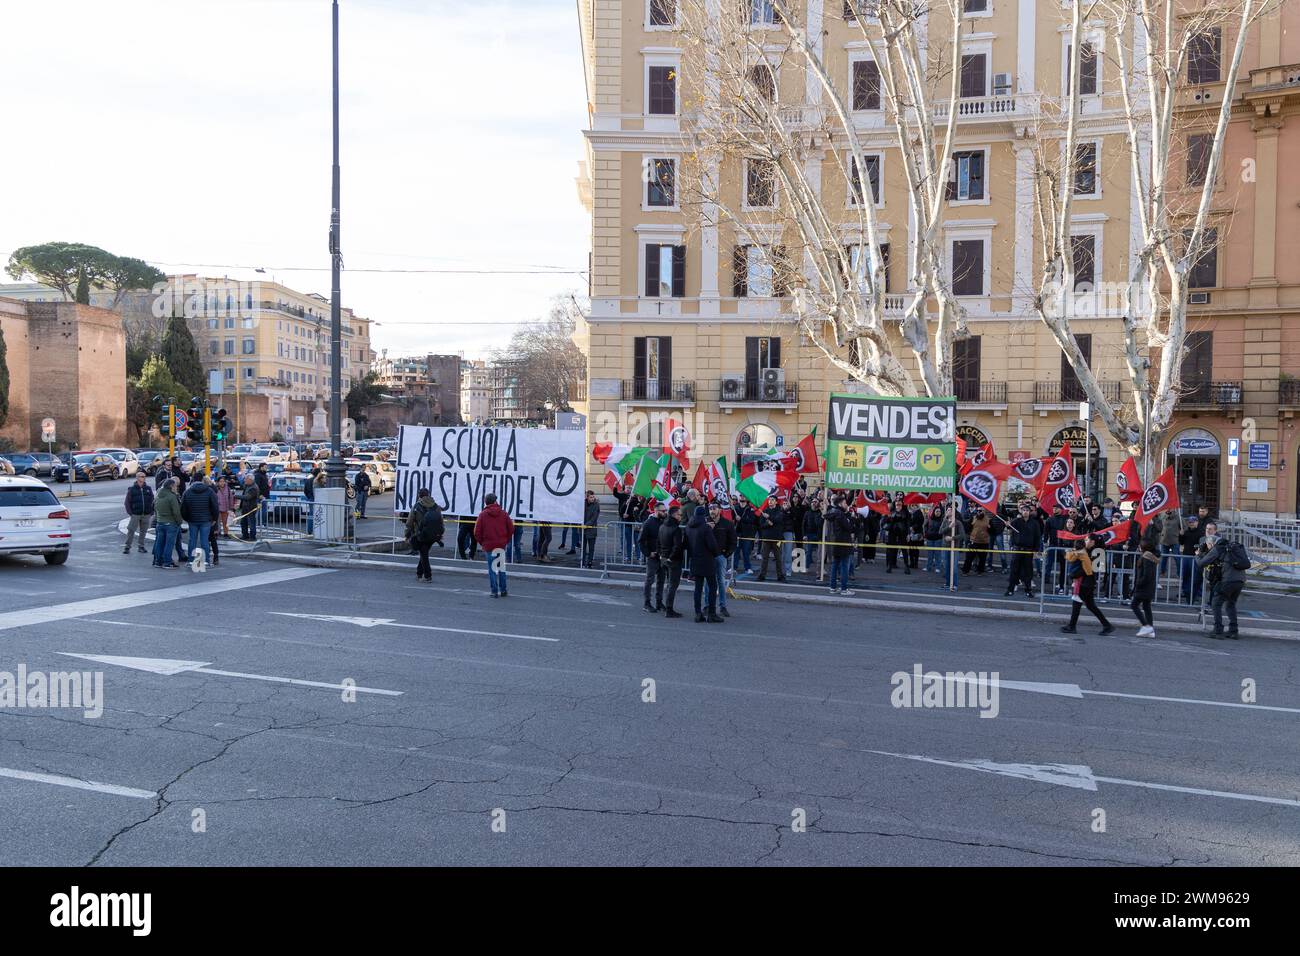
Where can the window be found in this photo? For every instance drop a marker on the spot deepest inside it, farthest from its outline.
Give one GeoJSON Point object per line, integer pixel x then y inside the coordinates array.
{"type": "Point", "coordinates": [1197, 368]}
{"type": "Point", "coordinates": [663, 13]}
{"type": "Point", "coordinates": [248, 371]}
{"type": "Point", "coordinates": [968, 267]}
{"type": "Point", "coordinates": [966, 176]}
{"type": "Point", "coordinates": [230, 322]}
{"type": "Point", "coordinates": [248, 301]}
{"type": "Point", "coordinates": [859, 263]}
{"type": "Point", "coordinates": [1084, 255]}
{"type": "Point", "coordinates": [760, 183]}
{"type": "Point", "coordinates": [866, 85]}
{"type": "Point", "coordinates": [854, 9]}
{"type": "Point", "coordinates": [966, 369]}
{"type": "Point", "coordinates": [230, 347]}
{"type": "Point", "coordinates": [974, 6]}
{"type": "Point", "coordinates": [663, 90]}
{"type": "Point", "coordinates": [1204, 273]}
{"type": "Point", "coordinates": [761, 352]}
{"type": "Point", "coordinates": [1085, 169]}
{"type": "Point", "coordinates": [763, 78]}
{"type": "Point", "coordinates": [1199, 146]}
{"type": "Point", "coordinates": [250, 346]}
{"type": "Point", "coordinates": [214, 347]}
{"type": "Point", "coordinates": [248, 322]}
{"type": "Point", "coordinates": [652, 367]}
{"type": "Point", "coordinates": [1204, 55]}
{"type": "Point", "coordinates": [1071, 390]}
{"type": "Point", "coordinates": [665, 271]}
{"type": "Point", "coordinates": [213, 323]}
{"type": "Point", "coordinates": [279, 349]}
{"type": "Point", "coordinates": [230, 374]}
{"type": "Point", "coordinates": [1087, 69]}
{"type": "Point", "coordinates": [759, 272]}
{"type": "Point", "coordinates": [872, 162]}
{"type": "Point", "coordinates": [661, 183]}
{"type": "Point", "coordinates": [974, 74]}
{"type": "Point", "coordinates": [763, 14]}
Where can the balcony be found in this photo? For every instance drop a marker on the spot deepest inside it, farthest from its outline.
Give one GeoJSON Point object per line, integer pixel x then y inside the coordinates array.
{"type": "Point", "coordinates": [1225, 395]}
{"type": "Point", "coordinates": [658, 390]}
{"type": "Point", "coordinates": [991, 109]}
{"type": "Point", "coordinates": [1068, 393]}
{"type": "Point", "coordinates": [1288, 393]}
{"type": "Point", "coordinates": [754, 392]}
{"type": "Point", "coordinates": [984, 394]}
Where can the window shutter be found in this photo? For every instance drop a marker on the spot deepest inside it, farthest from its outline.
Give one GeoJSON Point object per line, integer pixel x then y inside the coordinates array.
{"type": "Point", "coordinates": [739, 272]}
{"type": "Point", "coordinates": [977, 175]}
{"type": "Point", "coordinates": [774, 352]}
{"type": "Point", "coordinates": [679, 271]}
{"type": "Point", "coordinates": [665, 363]}
{"type": "Point", "coordinates": [751, 358]}
{"type": "Point", "coordinates": [652, 270]}
{"type": "Point", "coordinates": [780, 272]}
{"type": "Point", "coordinates": [638, 357]}
{"type": "Point", "coordinates": [873, 177]}
{"type": "Point", "coordinates": [884, 255]}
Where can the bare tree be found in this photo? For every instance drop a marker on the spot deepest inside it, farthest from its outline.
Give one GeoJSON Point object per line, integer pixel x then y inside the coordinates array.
{"type": "Point", "coordinates": [1151, 43]}
{"type": "Point", "coordinates": [807, 156]}
{"type": "Point", "coordinates": [549, 363]}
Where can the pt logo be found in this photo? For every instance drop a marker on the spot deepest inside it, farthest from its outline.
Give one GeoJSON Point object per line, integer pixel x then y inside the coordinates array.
{"type": "Point", "coordinates": [932, 459]}
{"type": "Point", "coordinates": [677, 440]}
{"type": "Point", "coordinates": [1154, 498]}
{"type": "Point", "coordinates": [1058, 472]}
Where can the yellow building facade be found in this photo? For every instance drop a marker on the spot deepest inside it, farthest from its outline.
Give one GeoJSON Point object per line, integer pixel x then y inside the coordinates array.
{"type": "Point", "coordinates": [679, 327]}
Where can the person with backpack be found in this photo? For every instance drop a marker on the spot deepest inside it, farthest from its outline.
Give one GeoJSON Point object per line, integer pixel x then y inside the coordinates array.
{"type": "Point", "coordinates": [493, 530]}
{"type": "Point", "coordinates": [425, 527]}
{"type": "Point", "coordinates": [1225, 564]}
{"type": "Point", "coordinates": [1144, 587]}
{"type": "Point", "coordinates": [1080, 569]}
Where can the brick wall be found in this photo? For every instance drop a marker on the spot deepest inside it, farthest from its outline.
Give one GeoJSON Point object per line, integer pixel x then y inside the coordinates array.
{"type": "Point", "coordinates": [77, 373]}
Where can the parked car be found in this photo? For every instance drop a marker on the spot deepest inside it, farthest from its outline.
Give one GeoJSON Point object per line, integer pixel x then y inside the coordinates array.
{"type": "Point", "coordinates": [27, 464]}
{"type": "Point", "coordinates": [87, 466]}
{"type": "Point", "coordinates": [127, 463]}
{"type": "Point", "coordinates": [150, 459]}
{"type": "Point", "coordinates": [381, 479]}
{"type": "Point", "coordinates": [287, 501]}
{"type": "Point", "coordinates": [46, 459]}
{"type": "Point", "coordinates": [33, 520]}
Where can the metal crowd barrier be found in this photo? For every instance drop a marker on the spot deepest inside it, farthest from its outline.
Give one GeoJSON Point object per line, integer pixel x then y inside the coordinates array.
{"type": "Point", "coordinates": [1179, 582]}
{"type": "Point", "coordinates": [316, 520]}
{"type": "Point", "coordinates": [622, 550]}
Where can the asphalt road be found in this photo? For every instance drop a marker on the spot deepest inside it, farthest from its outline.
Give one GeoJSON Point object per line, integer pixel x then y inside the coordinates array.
{"type": "Point", "coordinates": [518, 731]}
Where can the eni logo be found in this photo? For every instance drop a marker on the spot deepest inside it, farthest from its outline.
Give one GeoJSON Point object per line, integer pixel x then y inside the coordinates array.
{"type": "Point", "coordinates": [932, 459]}
{"type": "Point", "coordinates": [850, 456]}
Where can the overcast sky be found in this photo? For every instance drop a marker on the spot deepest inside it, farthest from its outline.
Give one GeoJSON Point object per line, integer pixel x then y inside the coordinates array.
{"type": "Point", "coordinates": [196, 134]}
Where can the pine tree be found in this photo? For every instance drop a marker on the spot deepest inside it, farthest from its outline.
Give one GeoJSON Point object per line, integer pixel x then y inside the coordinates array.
{"type": "Point", "coordinates": [4, 380]}
{"type": "Point", "coordinates": [182, 358]}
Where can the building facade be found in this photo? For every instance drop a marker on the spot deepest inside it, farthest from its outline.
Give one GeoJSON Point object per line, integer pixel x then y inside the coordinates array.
{"type": "Point", "coordinates": [690, 333]}
{"type": "Point", "coordinates": [475, 391]}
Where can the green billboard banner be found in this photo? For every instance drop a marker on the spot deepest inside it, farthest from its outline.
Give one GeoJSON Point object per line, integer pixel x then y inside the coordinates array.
{"type": "Point", "coordinates": [892, 444]}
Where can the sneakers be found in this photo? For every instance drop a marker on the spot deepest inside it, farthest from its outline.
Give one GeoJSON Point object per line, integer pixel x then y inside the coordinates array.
{"type": "Point", "coordinates": [669, 612]}
{"type": "Point", "coordinates": [715, 619]}
{"type": "Point", "coordinates": [1146, 631]}
{"type": "Point", "coordinates": [648, 609]}
{"type": "Point", "coordinates": [845, 592]}
{"type": "Point", "coordinates": [1068, 629]}
{"type": "Point", "coordinates": [1009, 594]}
{"type": "Point", "coordinates": [1233, 635]}
{"type": "Point", "coordinates": [1108, 629]}
{"type": "Point", "coordinates": [504, 592]}
{"type": "Point", "coordinates": [724, 612]}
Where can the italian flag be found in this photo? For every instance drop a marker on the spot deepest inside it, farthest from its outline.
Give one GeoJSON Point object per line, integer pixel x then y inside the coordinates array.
{"type": "Point", "coordinates": [620, 462]}
{"type": "Point", "coordinates": [652, 476]}
{"type": "Point", "coordinates": [758, 480]}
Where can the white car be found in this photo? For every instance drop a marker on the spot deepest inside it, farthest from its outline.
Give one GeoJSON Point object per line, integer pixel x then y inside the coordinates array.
{"type": "Point", "coordinates": [269, 454]}
{"type": "Point", "coordinates": [127, 463]}
{"type": "Point", "coordinates": [381, 478]}
{"type": "Point", "coordinates": [33, 520]}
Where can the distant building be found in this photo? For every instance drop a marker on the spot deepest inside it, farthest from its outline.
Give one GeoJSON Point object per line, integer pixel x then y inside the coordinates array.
{"type": "Point", "coordinates": [433, 377]}
{"type": "Point", "coordinates": [475, 391]}
{"type": "Point", "coordinates": [510, 395]}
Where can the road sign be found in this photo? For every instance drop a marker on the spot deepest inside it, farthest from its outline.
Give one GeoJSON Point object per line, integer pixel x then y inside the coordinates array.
{"type": "Point", "coordinates": [47, 430]}
{"type": "Point", "coordinates": [1234, 450]}
{"type": "Point", "coordinates": [1259, 455]}
{"type": "Point", "coordinates": [288, 431]}
{"type": "Point", "coordinates": [182, 420]}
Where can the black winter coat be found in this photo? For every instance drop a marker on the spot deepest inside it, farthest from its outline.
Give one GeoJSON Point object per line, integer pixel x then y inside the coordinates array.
{"type": "Point", "coordinates": [702, 546]}
{"type": "Point", "coordinates": [672, 541]}
{"type": "Point", "coordinates": [649, 539]}
{"type": "Point", "coordinates": [1144, 577]}
{"type": "Point", "coordinates": [725, 533]}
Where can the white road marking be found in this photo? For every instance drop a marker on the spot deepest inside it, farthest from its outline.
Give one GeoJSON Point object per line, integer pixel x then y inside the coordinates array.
{"type": "Point", "coordinates": [589, 598]}
{"type": "Point", "coordinates": [31, 617]}
{"type": "Point", "coordinates": [389, 622]}
{"type": "Point", "coordinates": [1079, 777]}
{"type": "Point", "coordinates": [1175, 646]}
{"type": "Point", "coordinates": [1073, 690]}
{"type": "Point", "coordinates": [76, 784]}
{"type": "Point", "coordinates": [169, 668]}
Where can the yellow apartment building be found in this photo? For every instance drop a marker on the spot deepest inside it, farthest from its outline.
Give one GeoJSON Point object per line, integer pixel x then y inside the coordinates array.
{"type": "Point", "coordinates": [682, 323]}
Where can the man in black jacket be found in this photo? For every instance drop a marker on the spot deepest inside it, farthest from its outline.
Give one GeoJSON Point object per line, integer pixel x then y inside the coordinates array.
{"type": "Point", "coordinates": [702, 547]}
{"type": "Point", "coordinates": [724, 532]}
{"type": "Point", "coordinates": [200, 510]}
{"type": "Point", "coordinates": [771, 535]}
{"type": "Point", "coordinates": [654, 568]}
{"type": "Point", "coordinates": [1219, 558]}
{"type": "Point", "coordinates": [1026, 535]}
{"type": "Point", "coordinates": [139, 509]}
{"type": "Point", "coordinates": [672, 551]}
{"type": "Point", "coordinates": [746, 531]}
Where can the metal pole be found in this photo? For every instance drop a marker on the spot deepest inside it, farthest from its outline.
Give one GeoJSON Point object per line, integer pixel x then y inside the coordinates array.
{"type": "Point", "coordinates": [334, 469]}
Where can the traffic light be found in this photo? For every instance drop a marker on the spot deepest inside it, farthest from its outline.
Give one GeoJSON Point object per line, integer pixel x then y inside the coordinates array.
{"type": "Point", "coordinates": [165, 425]}
{"type": "Point", "coordinates": [220, 425]}
{"type": "Point", "coordinates": [195, 415]}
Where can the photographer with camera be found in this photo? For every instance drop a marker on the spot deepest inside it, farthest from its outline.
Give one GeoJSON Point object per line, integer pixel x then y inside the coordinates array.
{"type": "Point", "coordinates": [1225, 564]}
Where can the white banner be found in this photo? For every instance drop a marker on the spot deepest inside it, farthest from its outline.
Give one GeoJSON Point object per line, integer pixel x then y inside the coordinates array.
{"type": "Point", "coordinates": [535, 473]}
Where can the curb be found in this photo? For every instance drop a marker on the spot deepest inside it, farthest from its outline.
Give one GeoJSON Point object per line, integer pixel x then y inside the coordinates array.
{"type": "Point", "coordinates": [352, 562]}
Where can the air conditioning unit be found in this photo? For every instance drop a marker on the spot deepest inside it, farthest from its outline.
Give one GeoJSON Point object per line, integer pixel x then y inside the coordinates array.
{"type": "Point", "coordinates": [772, 385]}
{"type": "Point", "coordinates": [1198, 298]}
{"type": "Point", "coordinates": [1001, 84]}
{"type": "Point", "coordinates": [733, 388]}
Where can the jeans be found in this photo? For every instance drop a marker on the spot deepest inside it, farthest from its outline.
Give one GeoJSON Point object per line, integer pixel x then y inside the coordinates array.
{"type": "Point", "coordinates": [655, 571]}
{"type": "Point", "coordinates": [139, 524]}
{"type": "Point", "coordinates": [787, 550]}
{"type": "Point", "coordinates": [629, 543]}
{"type": "Point", "coordinates": [199, 536]}
{"type": "Point", "coordinates": [466, 546]}
{"type": "Point", "coordinates": [543, 541]}
{"type": "Point", "coordinates": [1192, 579]}
{"type": "Point", "coordinates": [422, 569]}
{"type": "Point", "coordinates": [588, 551]}
{"type": "Point", "coordinates": [743, 551]}
{"type": "Point", "coordinates": [248, 526]}
{"type": "Point", "coordinates": [721, 561]}
{"type": "Point", "coordinates": [361, 502]}
{"type": "Point", "coordinates": [950, 568]}
{"type": "Point", "coordinates": [840, 570]}
{"type": "Point", "coordinates": [514, 547]}
{"type": "Point", "coordinates": [1002, 555]}
{"type": "Point", "coordinates": [496, 579]}
{"type": "Point", "coordinates": [536, 534]}
{"type": "Point", "coordinates": [933, 561]}
{"type": "Point", "coordinates": [165, 537]}
{"type": "Point", "coordinates": [706, 587]}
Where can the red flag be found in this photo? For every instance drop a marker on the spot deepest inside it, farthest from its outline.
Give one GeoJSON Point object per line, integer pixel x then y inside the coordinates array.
{"type": "Point", "coordinates": [677, 442]}
{"type": "Point", "coordinates": [1128, 482]}
{"type": "Point", "coordinates": [600, 451]}
{"type": "Point", "coordinates": [981, 455]}
{"type": "Point", "coordinates": [701, 480]}
{"type": "Point", "coordinates": [1032, 471]}
{"type": "Point", "coordinates": [981, 487]}
{"type": "Point", "coordinates": [1064, 497]}
{"type": "Point", "coordinates": [1060, 470]}
{"type": "Point", "coordinates": [1105, 537]}
{"type": "Point", "coordinates": [963, 465]}
{"type": "Point", "coordinates": [876, 501]}
{"type": "Point", "coordinates": [805, 454]}
{"type": "Point", "coordinates": [1001, 469]}
{"type": "Point", "coordinates": [916, 498]}
{"type": "Point", "coordinates": [1160, 495]}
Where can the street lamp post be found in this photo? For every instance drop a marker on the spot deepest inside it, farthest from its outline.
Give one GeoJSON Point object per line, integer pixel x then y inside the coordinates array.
{"type": "Point", "coordinates": [334, 470]}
